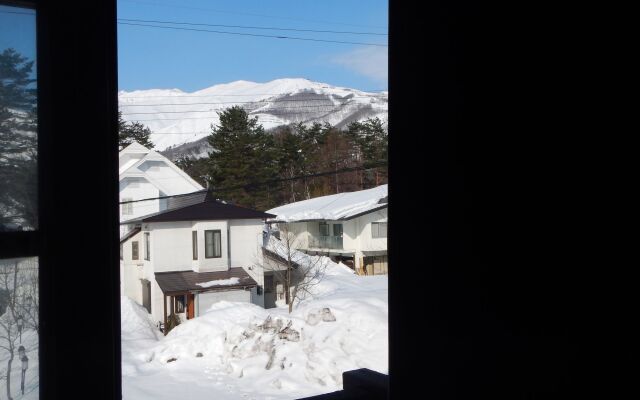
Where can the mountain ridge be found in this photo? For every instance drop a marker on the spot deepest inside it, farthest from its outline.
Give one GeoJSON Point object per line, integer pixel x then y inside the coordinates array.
{"type": "Point", "coordinates": [181, 119]}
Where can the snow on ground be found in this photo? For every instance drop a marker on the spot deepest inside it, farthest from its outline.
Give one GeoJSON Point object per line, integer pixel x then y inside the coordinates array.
{"type": "Point", "coordinates": [224, 354]}
{"type": "Point", "coordinates": [332, 207]}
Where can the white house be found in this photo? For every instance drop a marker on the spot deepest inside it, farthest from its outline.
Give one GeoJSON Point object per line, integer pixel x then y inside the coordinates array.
{"type": "Point", "coordinates": [148, 174]}
{"type": "Point", "coordinates": [184, 259]}
{"type": "Point", "coordinates": [350, 227]}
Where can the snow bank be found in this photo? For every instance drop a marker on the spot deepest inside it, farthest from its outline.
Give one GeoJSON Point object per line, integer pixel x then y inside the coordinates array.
{"type": "Point", "coordinates": [332, 207]}
{"type": "Point", "coordinates": [240, 349]}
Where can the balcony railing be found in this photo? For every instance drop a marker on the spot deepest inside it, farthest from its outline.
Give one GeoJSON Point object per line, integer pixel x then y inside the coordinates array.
{"type": "Point", "coordinates": [326, 242]}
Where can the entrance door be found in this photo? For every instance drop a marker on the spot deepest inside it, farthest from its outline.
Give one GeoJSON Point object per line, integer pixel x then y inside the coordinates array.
{"type": "Point", "coordinates": [191, 306]}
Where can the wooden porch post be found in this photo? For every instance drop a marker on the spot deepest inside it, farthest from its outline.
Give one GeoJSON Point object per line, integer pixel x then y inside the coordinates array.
{"type": "Point", "coordinates": [164, 300]}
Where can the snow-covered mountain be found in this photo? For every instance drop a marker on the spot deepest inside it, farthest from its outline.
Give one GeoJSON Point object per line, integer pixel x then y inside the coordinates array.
{"type": "Point", "coordinates": [178, 118]}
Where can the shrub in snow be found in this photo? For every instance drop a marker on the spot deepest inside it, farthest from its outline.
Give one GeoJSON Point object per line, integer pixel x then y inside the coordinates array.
{"type": "Point", "coordinates": [327, 316]}
{"type": "Point", "coordinates": [313, 318]}
{"type": "Point", "coordinates": [199, 355]}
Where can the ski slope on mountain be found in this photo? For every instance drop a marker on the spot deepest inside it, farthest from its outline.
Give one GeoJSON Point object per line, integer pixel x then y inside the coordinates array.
{"type": "Point", "coordinates": [176, 117]}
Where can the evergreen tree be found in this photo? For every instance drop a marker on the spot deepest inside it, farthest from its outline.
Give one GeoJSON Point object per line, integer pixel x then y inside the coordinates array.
{"type": "Point", "coordinates": [196, 168]}
{"type": "Point", "coordinates": [372, 141]}
{"type": "Point", "coordinates": [18, 142]}
{"type": "Point", "coordinates": [128, 132]}
{"type": "Point", "coordinates": [243, 155]}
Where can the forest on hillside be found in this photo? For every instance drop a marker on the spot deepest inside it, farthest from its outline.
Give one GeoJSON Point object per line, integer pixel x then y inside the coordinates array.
{"type": "Point", "coordinates": [261, 169]}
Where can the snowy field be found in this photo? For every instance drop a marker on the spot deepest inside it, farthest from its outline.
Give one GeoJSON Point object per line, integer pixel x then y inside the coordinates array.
{"type": "Point", "coordinates": [230, 352]}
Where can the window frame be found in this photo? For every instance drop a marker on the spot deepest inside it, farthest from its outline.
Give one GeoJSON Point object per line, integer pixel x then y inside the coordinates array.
{"type": "Point", "coordinates": [206, 247]}
{"type": "Point", "coordinates": [147, 246]}
{"type": "Point", "coordinates": [321, 225]}
{"type": "Point", "coordinates": [377, 230]}
{"type": "Point", "coordinates": [76, 72]}
{"type": "Point", "coordinates": [135, 255]}
{"type": "Point", "coordinates": [194, 245]}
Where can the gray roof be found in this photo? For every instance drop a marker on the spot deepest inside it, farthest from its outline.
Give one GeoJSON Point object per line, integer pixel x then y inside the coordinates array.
{"type": "Point", "coordinates": [200, 206]}
{"type": "Point", "coordinates": [181, 282]}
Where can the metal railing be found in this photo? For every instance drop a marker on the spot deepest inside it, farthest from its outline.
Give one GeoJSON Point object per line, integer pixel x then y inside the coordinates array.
{"type": "Point", "coordinates": [326, 242]}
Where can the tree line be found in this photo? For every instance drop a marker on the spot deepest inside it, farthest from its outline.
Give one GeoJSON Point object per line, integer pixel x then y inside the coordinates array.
{"type": "Point", "coordinates": [268, 164]}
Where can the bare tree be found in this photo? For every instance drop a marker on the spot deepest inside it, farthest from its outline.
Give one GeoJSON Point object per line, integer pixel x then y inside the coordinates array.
{"type": "Point", "coordinates": [298, 272]}
{"type": "Point", "coordinates": [8, 321]}
{"type": "Point", "coordinates": [19, 280]}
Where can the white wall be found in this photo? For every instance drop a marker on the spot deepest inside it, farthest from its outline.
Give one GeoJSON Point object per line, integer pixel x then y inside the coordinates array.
{"type": "Point", "coordinates": [205, 300]}
{"type": "Point", "coordinates": [171, 250]}
{"type": "Point", "coordinates": [132, 270]}
{"type": "Point", "coordinates": [136, 189]}
{"type": "Point", "coordinates": [246, 252]}
{"type": "Point", "coordinates": [204, 264]}
{"type": "Point", "coordinates": [363, 226]}
{"type": "Point", "coordinates": [170, 245]}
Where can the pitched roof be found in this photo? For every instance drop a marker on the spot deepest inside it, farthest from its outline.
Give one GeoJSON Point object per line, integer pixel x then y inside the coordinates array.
{"type": "Point", "coordinates": [335, 207]}
{"type": "Point", "coordinates": [187, 281]}
{"type": "Point", "coordinates": [202, 208]}
{"type": "Point", "coordinates": [129, 234]}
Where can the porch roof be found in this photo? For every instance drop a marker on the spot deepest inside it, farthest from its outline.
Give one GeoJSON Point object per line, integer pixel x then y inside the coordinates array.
{"type": "Point", "coordinates": [182, 282]}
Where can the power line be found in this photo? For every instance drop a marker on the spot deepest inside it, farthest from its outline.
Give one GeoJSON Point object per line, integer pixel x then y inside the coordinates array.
{"type": "Point", "coordinates": [252, 14]}
{"type": "Point", "coordinates": [254, 34]}
{"type": "Point", "coordinates": [253, 27]}
{"type": "Point", "coordinates": [257, 184]}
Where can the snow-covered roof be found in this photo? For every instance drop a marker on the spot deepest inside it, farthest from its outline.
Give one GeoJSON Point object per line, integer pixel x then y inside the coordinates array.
{"type": "Point", "coordinates": [339, 206]}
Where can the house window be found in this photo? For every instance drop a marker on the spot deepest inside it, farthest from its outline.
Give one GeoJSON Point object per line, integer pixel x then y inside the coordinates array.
{"type": "Point", "coordinates": [127, 208]}
{"type": "Point", "coordinates": [134, 250]}
{"type": "Point", "coordinates": [194, 244]}
{"type": "Point", "coordinates": [147, 246]}
{"type": "Point", "coordinates": [212, 244]}
{"type": "Point", "coordinates": [337, 230]}
{"type": "Point", "coordinates": [121, 255]}
{"type": "Point", "coordinates": [268, 283]}
{"type": "Point", "coordinates": [179, 304]}
{"type": "Point", "coordinates": [324, 229]}
{"type": "Point", "coordinates": [378, 230]}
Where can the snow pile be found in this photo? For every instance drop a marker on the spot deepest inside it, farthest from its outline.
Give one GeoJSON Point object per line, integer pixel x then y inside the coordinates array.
{"type": "Point", "coordinates": [332, 207]}
{"type": "Point", "coordinates": [138, 333]}
{"type": "Point", "coordinates": [220, 282]}
{"type": "Point", "coordinates": [240, 349]}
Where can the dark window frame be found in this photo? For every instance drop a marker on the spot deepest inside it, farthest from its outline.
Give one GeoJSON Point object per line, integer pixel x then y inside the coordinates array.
{"type": "Point", "coordinates": [147, 246]}
{"type": "Point", "coordinates": [76, 72]}
{"type": "Point", "coordinates": [135, 250]}
{"type": "Point", "coordinates": [79, 72]}
{"type": "Point", "coordinates": [206, 247]}
{"type": "Point", "coordinates": [194, 244]}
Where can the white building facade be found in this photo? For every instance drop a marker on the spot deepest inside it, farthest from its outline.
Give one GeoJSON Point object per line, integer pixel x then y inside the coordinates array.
{"type": "Point", "coordinates": [349, 227]}
{"type": "Point", "coordinates": [145, 174]}
{"type": "Point", "coordinates": [183, 260]}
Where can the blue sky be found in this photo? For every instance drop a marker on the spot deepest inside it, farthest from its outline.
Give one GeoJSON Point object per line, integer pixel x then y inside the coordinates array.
{"type": "Point", "coordinates": [189, 60]}
{"type": "Point", "coordinates": [18, 30]}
